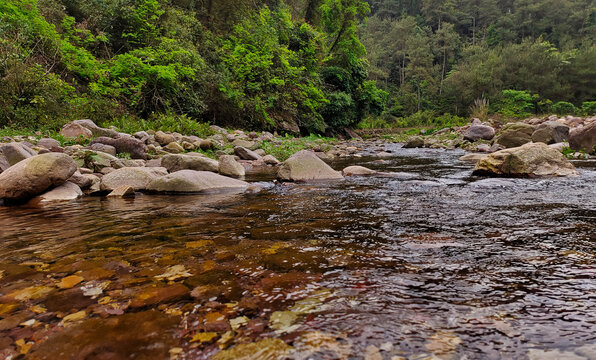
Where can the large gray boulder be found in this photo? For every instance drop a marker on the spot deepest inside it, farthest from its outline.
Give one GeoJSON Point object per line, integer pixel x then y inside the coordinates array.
{"type": "Point", "coordinates": [124, 144]}
{"type": "Point", "coordinates": [584, 138]}
{"type": "Point", "coordinates": [228, 166]}
{"type": "Point", "coordinates": [191, 181]}
{"type": "Point", "coordinates": [551, 132]}
{"type": "Point", "coordinates": [35, 175]}
{"type": "Point", "coordinates": [306, 166]}
{"type": "Point", "coordinates": [15, 152]}
{"type": "Point", "coordinates": [137, 178]}
{"type": "Point", "coordinates": [529, 160]}
{"type": "Point", "coordinates": [515, 134]}
{"type": "Point", "coordinates": [65, 192]}
{"type": "Point", "coordinates": [191, 161]}
{"type": "Point", "coordinates": [479, 132]}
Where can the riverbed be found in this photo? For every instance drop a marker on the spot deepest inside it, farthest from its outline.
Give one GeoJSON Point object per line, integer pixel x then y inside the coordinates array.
{"type": "Point", "coordinates": [424, 261]}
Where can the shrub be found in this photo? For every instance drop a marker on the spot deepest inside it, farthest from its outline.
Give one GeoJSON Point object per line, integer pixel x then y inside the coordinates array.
{"type": "Point", "coordinates": [589, 108]}
{"type": "Point", "coordinates": [563, 108]}
{"type": "Point", "coordinates": [516, 104]}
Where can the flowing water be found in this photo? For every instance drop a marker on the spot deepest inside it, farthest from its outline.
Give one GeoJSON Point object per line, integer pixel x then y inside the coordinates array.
{"type": "Point", "coordinates": [425, 262]}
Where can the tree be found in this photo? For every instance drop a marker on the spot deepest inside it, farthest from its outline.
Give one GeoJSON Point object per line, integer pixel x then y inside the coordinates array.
{"type": "Point", "coordinates": [446, 41]}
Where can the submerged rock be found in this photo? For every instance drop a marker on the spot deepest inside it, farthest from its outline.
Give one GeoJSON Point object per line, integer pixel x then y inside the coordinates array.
{"type": "Point", "coordinates": [357, 171]}
{"type": "Point", "coordinates": [192, 161]}
{"type": "Point", "coordinates": [191, 181]}
{"type": "Point", "coordinates": [269, 348]}
{"type": "Point", "coordinates": [529, 160]}
{"type": "Point", "coordinates": [304, 166]}
{"type": "Point", "coordinates": [141, 336]}
{"type": "Point", "coordinates": [35, 175]}
{"type": "Point", "coordinates": [136, 177]}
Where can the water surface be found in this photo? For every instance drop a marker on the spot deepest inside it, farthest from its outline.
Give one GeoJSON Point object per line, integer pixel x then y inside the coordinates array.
{"type": "Point", "coordinates": [427, 263]}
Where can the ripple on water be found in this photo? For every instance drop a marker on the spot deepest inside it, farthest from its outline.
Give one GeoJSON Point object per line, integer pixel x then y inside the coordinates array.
{"type": "Point", "coordinates": [429, 261]}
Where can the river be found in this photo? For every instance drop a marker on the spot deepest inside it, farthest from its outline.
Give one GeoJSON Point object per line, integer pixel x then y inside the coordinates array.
{"type": "Point", "coordinates": [425, 262]}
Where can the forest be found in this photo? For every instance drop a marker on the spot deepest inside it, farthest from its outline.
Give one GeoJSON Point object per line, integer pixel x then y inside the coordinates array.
{"type": "Point", "coordinates": [297, 66]}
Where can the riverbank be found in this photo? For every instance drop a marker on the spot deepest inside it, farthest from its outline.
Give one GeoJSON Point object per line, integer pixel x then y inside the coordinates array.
{"type": "Point", "coordinates": [85, 159]}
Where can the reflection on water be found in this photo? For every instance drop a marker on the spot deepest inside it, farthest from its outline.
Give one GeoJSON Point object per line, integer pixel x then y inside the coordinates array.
{"type": "Point", "coordinates": [438, 264]}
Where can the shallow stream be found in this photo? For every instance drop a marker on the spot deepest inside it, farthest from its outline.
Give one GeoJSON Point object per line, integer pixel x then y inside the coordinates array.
{"type": "Point", "coordinates": [425, 262]}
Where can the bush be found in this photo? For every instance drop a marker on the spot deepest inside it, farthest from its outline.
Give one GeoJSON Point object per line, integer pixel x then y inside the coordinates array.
{"type": "Point", "coordinates": [563, 108]}
{"type": "Point", "coordinates": [589, 108]}
{"type": "Point", "coordinates": [517, 104]}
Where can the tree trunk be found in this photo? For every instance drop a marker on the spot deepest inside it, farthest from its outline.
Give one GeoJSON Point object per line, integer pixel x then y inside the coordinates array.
{"type": "Point", "coordinates": [443, 71]}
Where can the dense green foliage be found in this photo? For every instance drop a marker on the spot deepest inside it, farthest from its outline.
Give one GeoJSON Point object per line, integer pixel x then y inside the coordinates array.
{"type": "Point", "coordinates": [521, 57]}
{"type": "Point", "coordinates": [309, 66]}
{"type": "Point", "coordinates": [290, 66]}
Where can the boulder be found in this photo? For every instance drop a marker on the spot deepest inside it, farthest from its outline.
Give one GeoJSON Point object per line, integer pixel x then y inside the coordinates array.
{"type": "Point", "coordinates": [174, 148]}
{"type": "Point", "coordinates": [472, 158]}
{"type": "Point", "coordinates": [357, 171]}
{"type": "Point", "coordinates": [15, 152]}
{"type": "Point", "coordinates": [136, 177]}
{"type": "Point", "coordinates": [108, 149]}
{"type": "Point", "coordinates": [551, 132]}
{"type": "Point", "coordinates": [125, 144]}
{"type": "Point", "coordinates": [122, 191]}
{"type": "Point", "coordinates": [270, 160]}
{"type": "Point", "coordinates": [246, 154]}
{"type": "Point", "coordinates": [529, 160]}
{"type": "Point", "coordinates": [65, 192]}
{"type": "Point", "coordinates": [483, 148]}
{"type": "Point", "coordinates": [164, 139]}
{"type": "Point", "coordinates": [191, 161]}
{"type": "Point", "coordinates": [73, 130]}
{"type": "Point", "coordinates": [304, 166]}
{"type": "Point", "coordinates": [191, 181]}
{"type": "Point", "coordinates": [515, 135]}
{"type": "Point", "coordinates": [95, 130]}
{"type": "Point", "coordinates": [479, 132]}
{"type": "Point", "coordinates": [49, 144]}
{"type": "Point", "coordinates": [244, 143]}
{"type": "Point", "coordinates": [82, 181]}
{"type": "Point", "coordinates": [4, 164]}
{"type": "Point", "coordinates": [35, 175]}
{"type": "Point", "coordinates": [230, 167]}
{"type": "Point", "coordinates": [206, 144]}
{"type": "Point", "coordinates": [584, 138]}
{"type": "Point", "coordinates": [414, 142]}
